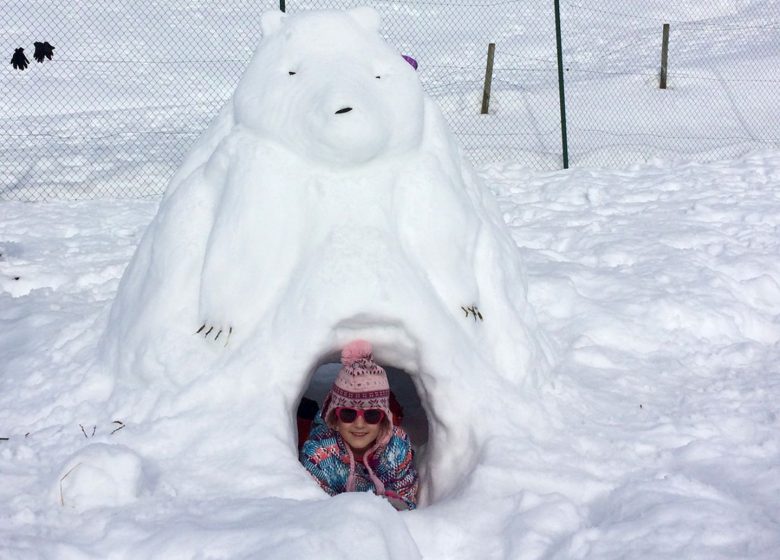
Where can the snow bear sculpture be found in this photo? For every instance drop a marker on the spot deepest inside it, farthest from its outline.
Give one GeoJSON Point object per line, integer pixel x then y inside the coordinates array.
{"type": "Point", "coordinates": [328, 201]}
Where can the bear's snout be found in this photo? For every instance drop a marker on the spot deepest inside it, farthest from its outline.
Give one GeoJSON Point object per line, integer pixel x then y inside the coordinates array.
{"type": "Point", "coordinates": [343, 110]}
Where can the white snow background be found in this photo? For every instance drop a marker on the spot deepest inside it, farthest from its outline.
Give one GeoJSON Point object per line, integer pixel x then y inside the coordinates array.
{"type": "Point", "coordinates": [655, 435]}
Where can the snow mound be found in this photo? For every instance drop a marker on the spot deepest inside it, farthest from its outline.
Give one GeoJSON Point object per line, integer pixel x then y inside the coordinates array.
{"type": "Point", "coordinates": [100, 475]}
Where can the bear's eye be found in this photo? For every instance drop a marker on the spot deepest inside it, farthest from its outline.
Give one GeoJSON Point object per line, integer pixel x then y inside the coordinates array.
{"type": "Point", "coordinates": [291, 73]}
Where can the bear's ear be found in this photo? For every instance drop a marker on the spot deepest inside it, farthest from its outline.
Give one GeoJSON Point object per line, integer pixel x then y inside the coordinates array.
{"type": "Point", "coordinates": [368, 18]}
{"type": "Point", "coordinates": [270, 22]}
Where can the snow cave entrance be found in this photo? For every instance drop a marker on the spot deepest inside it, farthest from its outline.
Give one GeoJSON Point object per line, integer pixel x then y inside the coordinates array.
{"type": "Point", "coordinates": [414, 418]}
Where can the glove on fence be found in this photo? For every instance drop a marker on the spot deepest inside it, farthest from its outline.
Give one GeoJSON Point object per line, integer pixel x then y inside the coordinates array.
{"type": "Point", "coordinates": [18, 60]}
{"type": "Point", "coordinates": [43, 50]}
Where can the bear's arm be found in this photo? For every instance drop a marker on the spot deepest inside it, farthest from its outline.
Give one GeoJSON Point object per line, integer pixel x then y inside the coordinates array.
{"type": "Point", "coordinates": [243, 272]}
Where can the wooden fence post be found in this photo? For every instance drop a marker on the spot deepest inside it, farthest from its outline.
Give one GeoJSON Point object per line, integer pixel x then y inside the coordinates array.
{"type": "Point", "coordinates": [488, 78]}
{"type": "Point", "coordinates": [664, 55]}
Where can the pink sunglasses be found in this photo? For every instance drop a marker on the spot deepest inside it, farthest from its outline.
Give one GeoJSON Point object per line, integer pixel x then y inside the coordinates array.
{"type": "Point", "coordinates": [349, 415]}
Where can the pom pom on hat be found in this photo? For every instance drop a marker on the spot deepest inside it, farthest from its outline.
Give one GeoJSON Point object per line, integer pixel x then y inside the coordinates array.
{"type": "Point", "coordinates": [354, 351]}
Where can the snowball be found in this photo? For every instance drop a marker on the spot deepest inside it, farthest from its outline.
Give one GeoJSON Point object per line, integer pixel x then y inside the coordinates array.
{"type": "Point", "coordinates": [100, 475]}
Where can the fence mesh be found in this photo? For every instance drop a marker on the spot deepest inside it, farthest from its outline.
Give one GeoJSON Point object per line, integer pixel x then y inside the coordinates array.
{"type": "Point", "coordinates": [723, 68]}
{"type": "Point", "coordinates": [133, 83]}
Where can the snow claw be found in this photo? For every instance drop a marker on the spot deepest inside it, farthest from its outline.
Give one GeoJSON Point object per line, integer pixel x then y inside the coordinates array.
{"type": "Point", "coordinates": [473, 311]}
{"type": "Point", "coordinates": [121, 425]}
{"type": "Point", "coordinates": [210, 329]}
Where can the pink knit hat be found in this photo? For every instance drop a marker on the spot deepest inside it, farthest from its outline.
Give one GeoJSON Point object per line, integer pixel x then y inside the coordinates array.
{"type": "Point", "coordinates": [361, 383]}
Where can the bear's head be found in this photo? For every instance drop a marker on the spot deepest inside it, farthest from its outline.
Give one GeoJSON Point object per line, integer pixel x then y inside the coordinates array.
{"type": "Point", "coordinates": [334, 93]}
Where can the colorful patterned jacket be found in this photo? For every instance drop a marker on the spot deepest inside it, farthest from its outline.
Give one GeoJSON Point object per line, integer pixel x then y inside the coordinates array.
{"type": "Point", "coordinates": [328, 458]}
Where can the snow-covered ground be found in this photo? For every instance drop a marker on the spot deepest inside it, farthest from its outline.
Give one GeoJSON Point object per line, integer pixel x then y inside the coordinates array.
{"type": "Point", "coordinates": [657, 283]}
{"type": "Point", "coordinates": [661, 286]}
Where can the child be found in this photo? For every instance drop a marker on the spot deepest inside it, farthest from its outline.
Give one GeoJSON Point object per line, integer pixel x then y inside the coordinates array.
{"type": "Point", "coordinates": [353, 445]}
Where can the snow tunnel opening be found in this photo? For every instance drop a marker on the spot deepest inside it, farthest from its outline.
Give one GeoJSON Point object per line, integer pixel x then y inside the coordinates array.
{"type": "Point", "coordinates": [414, 417]}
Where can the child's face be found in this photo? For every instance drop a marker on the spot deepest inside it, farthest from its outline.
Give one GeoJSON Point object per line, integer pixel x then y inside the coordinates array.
{"type": "Point", "coordinates": [359, 435]}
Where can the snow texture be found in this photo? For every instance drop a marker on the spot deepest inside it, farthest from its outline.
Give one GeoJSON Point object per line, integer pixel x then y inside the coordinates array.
{"type": "Point", "coordinates": [655, 435]}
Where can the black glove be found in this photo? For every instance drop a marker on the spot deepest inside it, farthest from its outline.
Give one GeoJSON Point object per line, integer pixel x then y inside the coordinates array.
{"type": "Point", "coordinates": [43, 50]}
{"type": "Point", "coordinates": [18, 60]}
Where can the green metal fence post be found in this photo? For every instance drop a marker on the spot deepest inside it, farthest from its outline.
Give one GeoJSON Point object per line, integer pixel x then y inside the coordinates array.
{"type": "Point", "coordinates": [281, 5]}
{"type": "Point", "coordinates": [561, 94]}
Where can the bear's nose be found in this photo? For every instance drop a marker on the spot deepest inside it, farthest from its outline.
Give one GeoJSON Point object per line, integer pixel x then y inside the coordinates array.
{"type": "Point", "coordinates": [343, 110]}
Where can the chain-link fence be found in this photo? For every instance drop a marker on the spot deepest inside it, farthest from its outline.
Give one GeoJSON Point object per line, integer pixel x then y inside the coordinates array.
{"type": "Point", "coordinates": [723, 70]}
{"type": "Point", "coordinates": [133, 83]}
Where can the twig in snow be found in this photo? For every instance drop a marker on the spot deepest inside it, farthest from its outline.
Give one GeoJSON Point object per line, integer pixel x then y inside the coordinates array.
{"type": "Point", "coordinates": [473, 311]}
{"type": "Point", "coordinates": [62, 498]}
{"type": "Point", "coordinates": [121, 425]}
{"type": "Point", "coordinates": [83, 431]}
{"type": "Point", "coordinates": [219, 332]}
